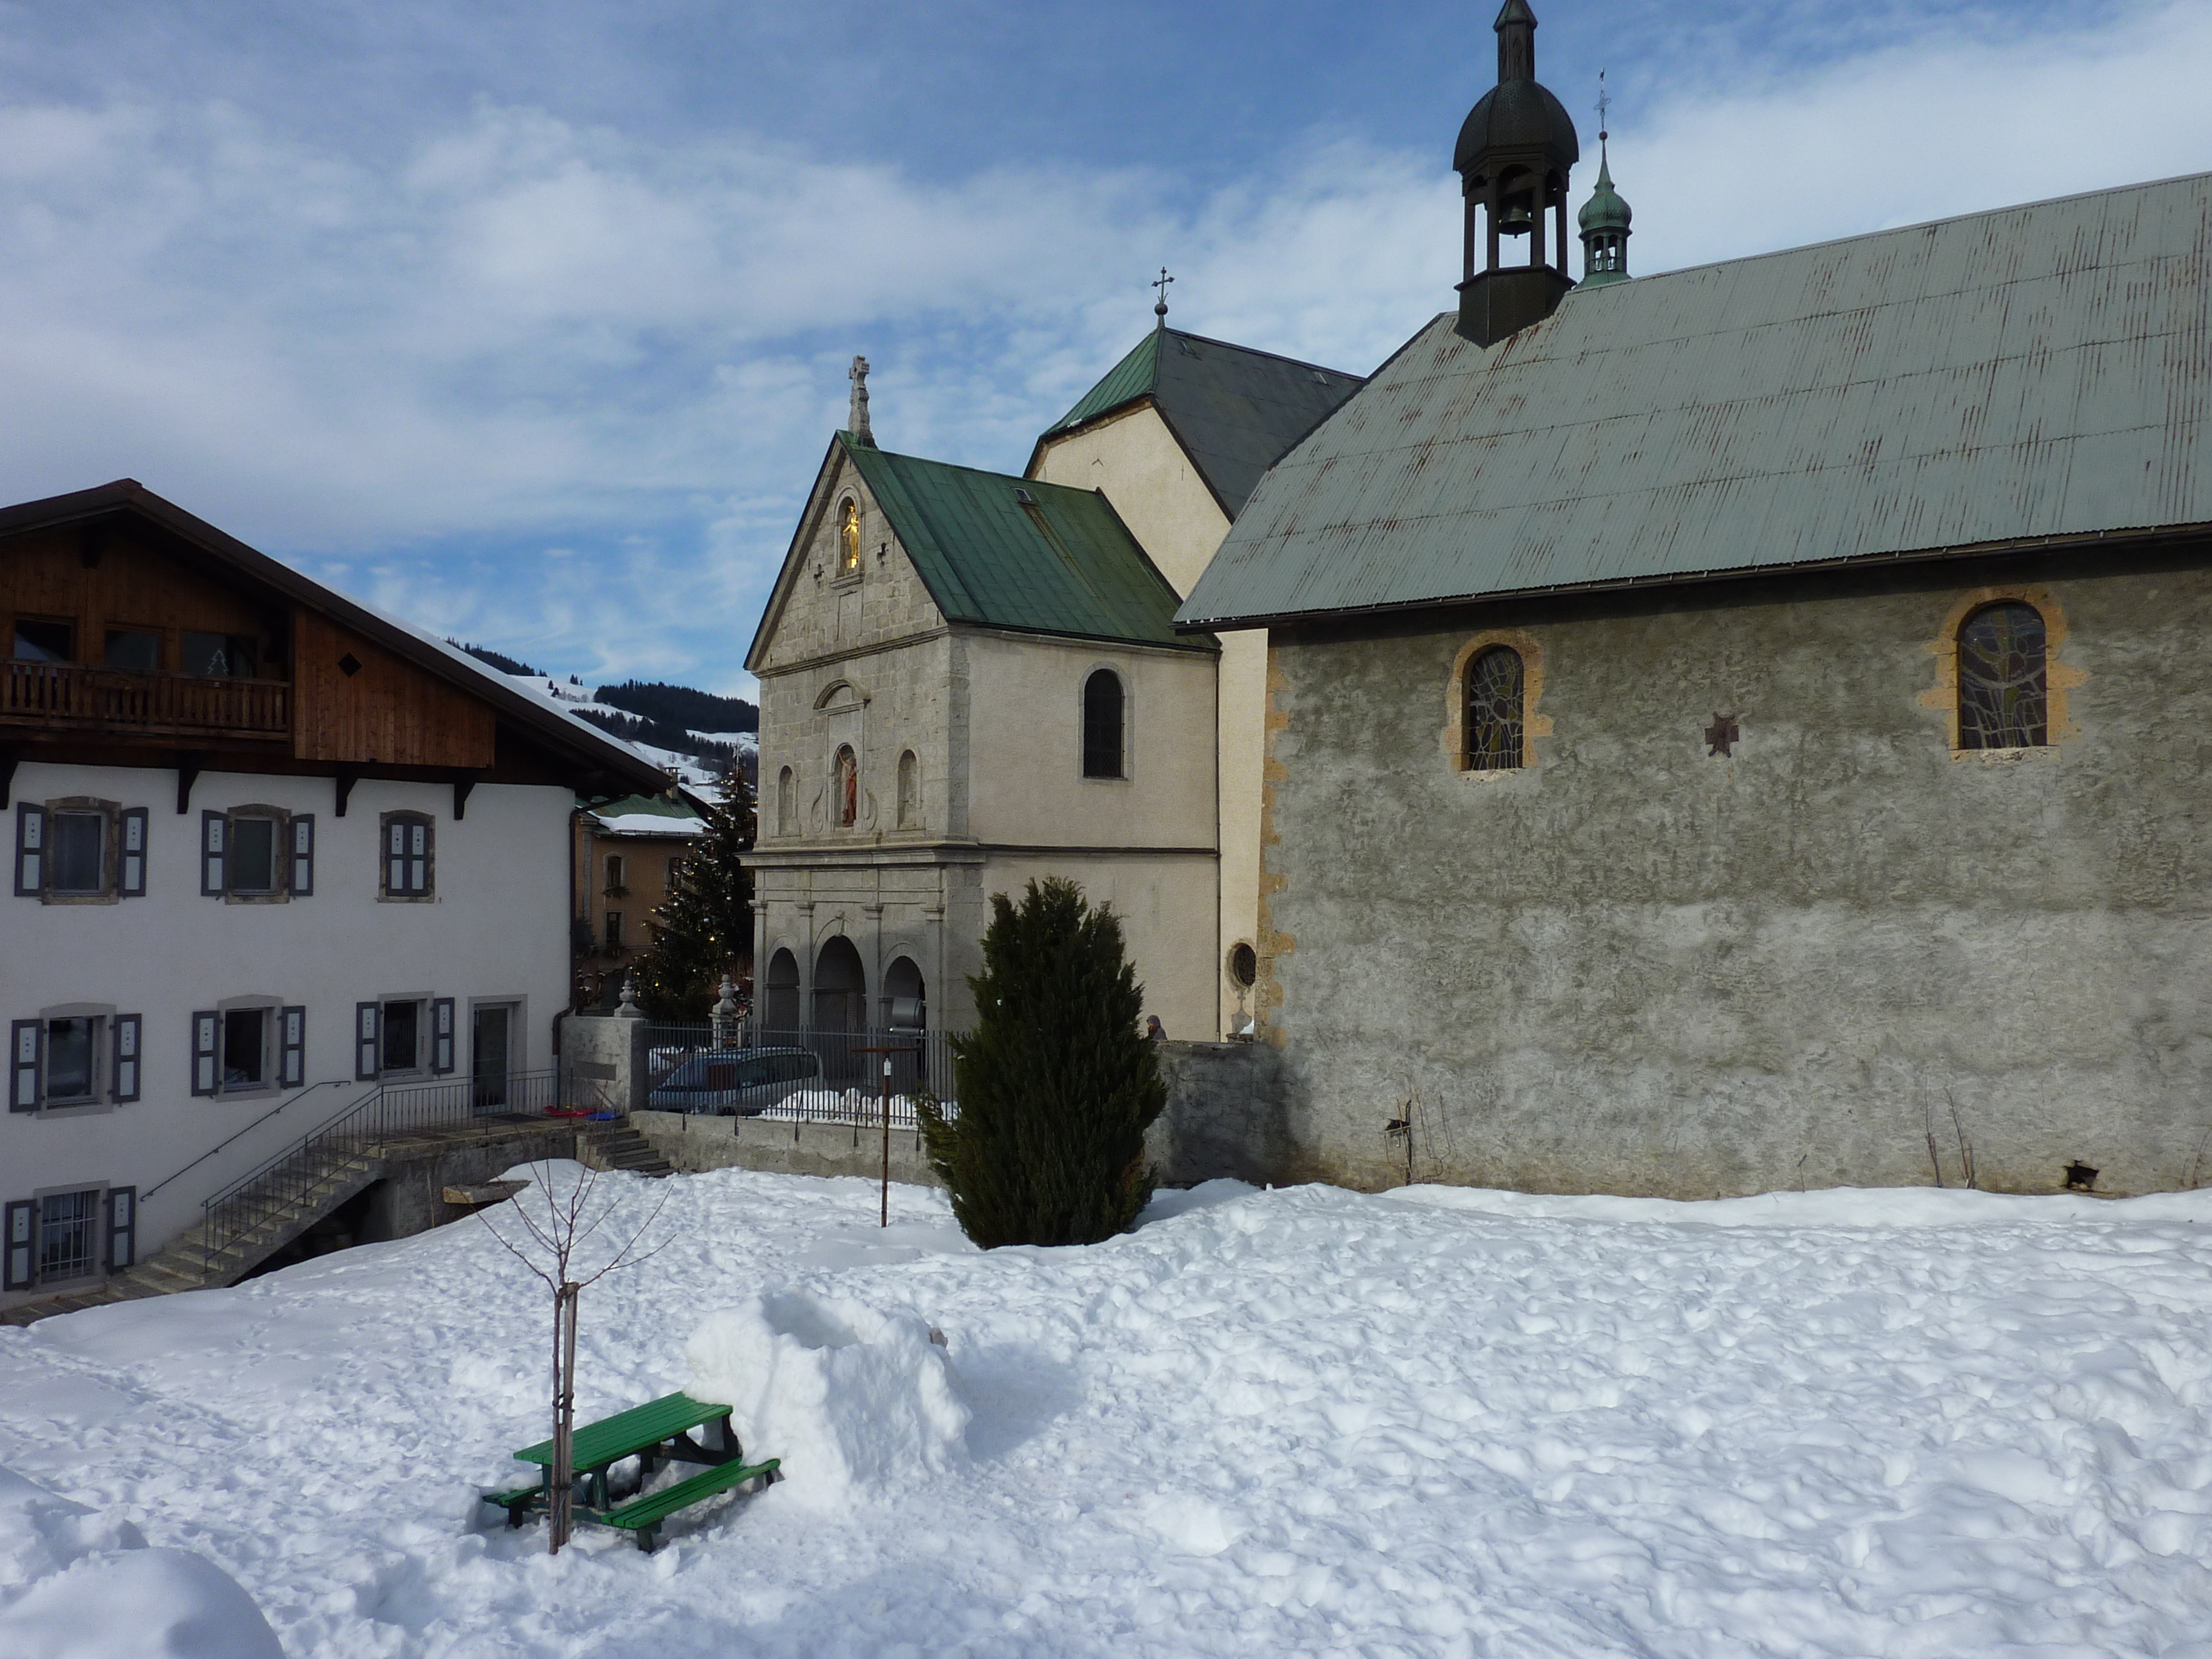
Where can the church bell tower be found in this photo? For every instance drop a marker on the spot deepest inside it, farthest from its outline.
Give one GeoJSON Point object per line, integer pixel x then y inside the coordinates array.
{"type": "Point", "coordinates": [1515, 152]}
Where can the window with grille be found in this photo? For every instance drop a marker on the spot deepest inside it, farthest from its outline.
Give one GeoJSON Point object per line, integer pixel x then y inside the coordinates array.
{"type": "Point", "coordinates": [2004, 695]}
{"type": "Point", "coordinates": [409, 868]}
{"type": "Point", "coordinates": [1493, 713]}
{"type": "Point", "coordinates": [69, 1235]}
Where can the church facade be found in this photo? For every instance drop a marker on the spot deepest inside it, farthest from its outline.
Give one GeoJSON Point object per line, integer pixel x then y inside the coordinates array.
{"type": "Point", "coordinates": [1738, 729]}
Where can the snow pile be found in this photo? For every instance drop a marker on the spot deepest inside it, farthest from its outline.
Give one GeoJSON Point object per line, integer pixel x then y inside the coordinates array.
{"type": "Point", "coordinates": [858, 1403]}
{"type": "Point", "coordinates": [75, 1584]}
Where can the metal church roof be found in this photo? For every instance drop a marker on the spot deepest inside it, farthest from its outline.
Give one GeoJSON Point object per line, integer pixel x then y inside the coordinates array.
{"type": "Point", "coordinates": [2034, 372]}
{"type": "Point", "coordinates": [1235, 411]}
{"type": "Point", "coordinates": [1016, 553]}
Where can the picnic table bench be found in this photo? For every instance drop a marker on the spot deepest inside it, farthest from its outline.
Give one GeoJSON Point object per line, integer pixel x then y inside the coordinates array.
{"type": "Point", "coordinates": [657, 1432]}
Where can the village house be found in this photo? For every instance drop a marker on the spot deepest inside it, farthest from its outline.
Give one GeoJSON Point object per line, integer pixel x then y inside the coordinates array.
{"type": "Point", "coordinates": [1737, 728]}
{"type": "Point", "coordinates": [271, 852]}
{"type": "Point", "coordinates": [628, 851]}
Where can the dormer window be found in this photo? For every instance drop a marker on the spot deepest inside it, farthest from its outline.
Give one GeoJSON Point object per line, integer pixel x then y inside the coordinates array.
{"type": "Point", "coordinates": [848, 539]}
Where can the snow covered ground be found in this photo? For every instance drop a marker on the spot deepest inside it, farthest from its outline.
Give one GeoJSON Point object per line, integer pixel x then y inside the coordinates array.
{"type": "Point", "coordinates": [1431, 1422]}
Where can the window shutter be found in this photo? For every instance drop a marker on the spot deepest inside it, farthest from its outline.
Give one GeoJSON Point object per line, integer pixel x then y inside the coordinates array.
{"type": "Point", "coordinates": [418, 858]}
{"type": "Point", "coordinates": [24, 1038]}
{"type": "Point", "coordinates": [212, 826]}
{"type": "Point", "coordinates": [368, 1040]}
{"type": "Point", "coordinates": [133, 883]}
{"type": "Point", "coordinates": [125, 1073]}
{"type": "Point", "coordinates": [303, 854]}
{"type": "Point", "coordinates": [207, 1026]}
{"type": "Point", "coordinates": [122, 1227]}
{"type": "Point", "coordinates": [396, 876]}
{"type": "Point", "coordinates": [292, 1068]}
{"type": "Point", "coordinates": [442, 1034]}
{"type": "Point", "coordinates": [17, 1229]}
{"type": "Point", "coordinates": [30, 850]}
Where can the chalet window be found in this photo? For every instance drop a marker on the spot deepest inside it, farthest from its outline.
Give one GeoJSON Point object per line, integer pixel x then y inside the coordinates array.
{"type": "Point", "coordinates": [257, 852]}
{"type": "Point", "coordinates": [848, 539]}
{"type": "Point", "coordinates": [402, 1036]}
{"type": "Point", "coordinates": [79, 849]}
{"type": "Point", "coordinates": [56, 1237]}
{"type": "Point", "coordinates": [910, 791]}
{"type": "Point", "coordinates": [244, 1047]}
{"type": "Point", "coordinates": [1103, 742]}
{"type": "Point", "coordinates": [1493, 715]}
{"type": "Point", "coordinates": [614, 930]}
{"type": "Point", "coordinates": [42, 640]}
{"type": "Point", "coordinates": [136, 649]}
{"type": "Point", "coordinates": [252, 1047]}
{"type": "Point", "coordinates": [2004, 699]}
{"type": "Point", "coordinates": [846, 775]}
{"type": "Point", "coordinates": [615, 873]}
{"type": "Point", "coordinates": [221, 656]}
{"type": "Point", "coordinates": [409, 867]}
{"type": "Point", "coordinates": [72, 1057]}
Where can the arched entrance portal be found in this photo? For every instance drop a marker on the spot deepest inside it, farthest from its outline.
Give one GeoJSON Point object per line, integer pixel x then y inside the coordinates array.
{"type": "Point", "coordinates": [780, 1003]}
{"type": "Point", "coordinates": [906, 1001]}
{"type": "Point", "coordinates": [840, 987]}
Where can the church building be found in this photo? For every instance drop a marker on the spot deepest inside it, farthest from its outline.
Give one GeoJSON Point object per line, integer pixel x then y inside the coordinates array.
{"type": "Point", "coordinates": [971, 679]}
{"type": "Point", "coordinates": [1737, 729]}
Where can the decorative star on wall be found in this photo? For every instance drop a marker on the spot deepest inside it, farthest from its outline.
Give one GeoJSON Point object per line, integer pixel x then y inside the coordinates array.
{"type": "Point", "coordinates": [1721, 734]}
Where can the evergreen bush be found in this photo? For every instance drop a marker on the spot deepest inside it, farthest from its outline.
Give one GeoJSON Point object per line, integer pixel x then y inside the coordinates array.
{"type": "Point", "coordinates": [705, 928]}
{"type": "Point", "coordinates": [1056, 1083]}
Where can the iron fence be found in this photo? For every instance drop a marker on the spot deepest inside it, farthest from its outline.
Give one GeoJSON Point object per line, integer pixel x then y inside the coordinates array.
{"type": "Point", "coordinates": [302, 1171]}
{"type": "Point", "coordinates": [798, 1076]}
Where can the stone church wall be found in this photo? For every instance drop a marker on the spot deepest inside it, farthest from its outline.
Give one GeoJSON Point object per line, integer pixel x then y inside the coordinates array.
{"type": "Point", "coordinates": [1844, 954]}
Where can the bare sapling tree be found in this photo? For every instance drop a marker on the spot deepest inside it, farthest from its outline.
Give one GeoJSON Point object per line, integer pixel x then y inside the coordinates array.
{"type": "Point", "coordinates": [552, 1247]}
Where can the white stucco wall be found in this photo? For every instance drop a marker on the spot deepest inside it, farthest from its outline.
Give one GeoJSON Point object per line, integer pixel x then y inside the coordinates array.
{"type": "Point", "coordinates": [496, 930]}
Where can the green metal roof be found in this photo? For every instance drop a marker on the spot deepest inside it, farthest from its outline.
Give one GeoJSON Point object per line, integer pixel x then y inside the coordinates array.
{"type": "Point", "coordinates": [639, 807]}
{"type": "Point", "coordinates": [2033, 372]}
{"type": "Point", "coordinates": [1235, 411]}
{"type": "Point", "coordinates": [1021, 553]}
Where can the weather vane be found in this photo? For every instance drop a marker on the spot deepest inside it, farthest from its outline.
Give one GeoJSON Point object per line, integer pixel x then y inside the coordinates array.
{"type": "Point", "coordinates": [1604, 103]}
{"type": "Point", "coordinates": [1160, 309]}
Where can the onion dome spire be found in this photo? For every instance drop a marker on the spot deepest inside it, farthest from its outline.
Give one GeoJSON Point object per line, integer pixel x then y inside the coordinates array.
{"type": "Point", "coordinates": [1605, 217]}
{"type": "Point", "coordinates": [1515, 151]}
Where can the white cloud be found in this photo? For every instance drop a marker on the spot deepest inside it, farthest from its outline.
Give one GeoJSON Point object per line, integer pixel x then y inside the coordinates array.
{"type": "Point", "coordinates": [559, 388]}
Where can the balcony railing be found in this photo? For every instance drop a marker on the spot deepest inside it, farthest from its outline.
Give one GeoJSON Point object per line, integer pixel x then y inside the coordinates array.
{"type": "Point", "coordinates": [60, 694]}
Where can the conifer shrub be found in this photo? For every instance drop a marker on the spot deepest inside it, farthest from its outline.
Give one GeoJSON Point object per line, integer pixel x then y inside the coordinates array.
{"type": "Point", "coordinates": [705, 928]}
{"type": "Point", "coordinates": [1057, 1086]}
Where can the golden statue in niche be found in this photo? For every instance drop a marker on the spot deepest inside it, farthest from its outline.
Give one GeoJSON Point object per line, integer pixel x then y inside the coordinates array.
{"type": "Point", "coordinates": [849, 541]}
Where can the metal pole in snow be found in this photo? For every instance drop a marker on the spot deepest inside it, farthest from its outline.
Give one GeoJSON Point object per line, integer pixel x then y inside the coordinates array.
{"type": "Point", "coordinates": [886, 1220]}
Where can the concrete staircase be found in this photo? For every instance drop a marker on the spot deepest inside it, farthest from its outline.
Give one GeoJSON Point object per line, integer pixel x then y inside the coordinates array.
{"type": "Point", "coordinates": [330, 1177]}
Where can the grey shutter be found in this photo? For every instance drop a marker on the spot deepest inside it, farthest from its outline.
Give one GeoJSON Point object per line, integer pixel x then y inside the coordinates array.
{"type": "Point", "coordinates": [18, 1230]}
{"type": "Point", "coordinates": [441, 1033]}
{"type": "Point", "coordinates": [133, 883]}
{"type": "Point", "coordinates": [122, 1227]}
{"type": "Point", "coordinates": [123, 1073]}
{"type": "Point", "coordinates": [368, 1040]}
{"type": "Point", "coordinates": [213, 827]}
{"type": "Point", "coordinates": [418, 858]}
{"type": "Point", "coordinates": [30, 850]}
{"type": "Point", "coordinates": [292, 1064]}
{"type": "Point", "coordinates": [303, 854]}
{"type": "Point", "coordinates": [25, 1037]}
{"type": "Point", "coordinates": [207, 1027]}
{"type": "Point", "coordinates": [395, 875]}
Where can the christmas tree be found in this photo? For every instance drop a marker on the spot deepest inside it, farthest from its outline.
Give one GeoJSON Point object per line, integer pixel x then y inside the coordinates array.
{"type": "Point", "coordinates": [705, 928]}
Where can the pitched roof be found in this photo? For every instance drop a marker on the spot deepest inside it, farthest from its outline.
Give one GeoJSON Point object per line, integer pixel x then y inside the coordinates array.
{"type": "Point", "coordinates": [2036, 372]}
{"type": "Point", "coordinates": [603, 756]}
{"type": "Point", "coordinates": [1020, 554]}
{"type": "Point", "coordinates": [1235, 411]}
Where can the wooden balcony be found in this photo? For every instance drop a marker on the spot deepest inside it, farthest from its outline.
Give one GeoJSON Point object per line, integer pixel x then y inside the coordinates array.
{"type": "Point", "coordinates": [65, 697]}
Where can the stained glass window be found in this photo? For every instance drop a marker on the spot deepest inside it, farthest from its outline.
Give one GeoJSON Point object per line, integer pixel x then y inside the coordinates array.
{"type": "Point", "coordinates": [2002, 701]}
{"type": "Point", "coordinates": [1493, 710]}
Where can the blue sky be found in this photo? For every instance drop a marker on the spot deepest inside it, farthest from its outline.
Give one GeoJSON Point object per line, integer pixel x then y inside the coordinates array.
{"type": "Point", "coordinates": [530, 322]}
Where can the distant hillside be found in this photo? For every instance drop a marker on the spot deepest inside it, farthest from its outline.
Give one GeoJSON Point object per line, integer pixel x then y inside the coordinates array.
{"type": "Point", "coordinates": [498, 659]}
{"type": "Point", "coordinates": [680, 708]}
{"type": "Point", "coordinates": [658, 734]}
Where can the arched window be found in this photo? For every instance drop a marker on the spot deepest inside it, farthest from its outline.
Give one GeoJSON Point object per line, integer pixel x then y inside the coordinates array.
{"type": "Point", "coordinates": [2002, 698]}
{"type": "Point", "coordinates": [780, 1010]}
{"type": "Point", "coordinates": [848, 539]}
{"type": "Point", "coordinates": [1102, 725]}
{"type": "Point", "coordinates": [910, 791]}
{"type": "Point", "coordinates": [787, 803]}
{"type": "Point", "coordinates": [1493, 710]}
{"type": "Point", "coordinates": [846, 775]}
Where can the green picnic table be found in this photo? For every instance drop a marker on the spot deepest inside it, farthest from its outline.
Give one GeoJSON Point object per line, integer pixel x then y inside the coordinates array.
{"type": "Point", "coordinates": [657, 1432]}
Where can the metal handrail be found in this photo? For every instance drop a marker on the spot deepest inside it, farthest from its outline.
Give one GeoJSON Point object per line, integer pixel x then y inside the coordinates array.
{"type": "Point", "coordinates": [289, 1100]}
{"type": "Point", "coordinates": [286, 1178]}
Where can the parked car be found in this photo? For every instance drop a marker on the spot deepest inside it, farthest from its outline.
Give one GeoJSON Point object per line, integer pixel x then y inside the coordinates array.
{"type": "Point", "coordinates": [736, 1082]}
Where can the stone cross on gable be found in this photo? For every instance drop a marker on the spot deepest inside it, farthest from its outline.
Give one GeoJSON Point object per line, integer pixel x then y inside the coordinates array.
{"type": "Point", "coordinates": [857, 422]}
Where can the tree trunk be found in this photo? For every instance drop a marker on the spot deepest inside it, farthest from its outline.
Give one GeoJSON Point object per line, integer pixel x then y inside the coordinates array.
{"type": "Point", "coordinates": [563, 1506]}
